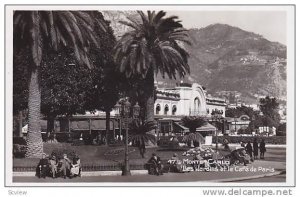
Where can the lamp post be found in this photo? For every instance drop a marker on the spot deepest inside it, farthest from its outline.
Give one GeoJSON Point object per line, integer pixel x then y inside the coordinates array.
{"type": "Point", "coordinates": [117, 115]}
{"type": "Point", "coordinates": [217, 117]}
{"type": "Point", "coordinates": [124, 111]}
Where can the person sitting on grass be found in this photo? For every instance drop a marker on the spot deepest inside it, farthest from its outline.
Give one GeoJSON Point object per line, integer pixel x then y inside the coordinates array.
{"type": "Point", "coordinates": [53, 166]}
{"type": "Point", "coordinates": [156, 164]}
{"type": "Point", "coordinates": [75, 167]}
{"type": "Point", "coordinates": [43, 166]}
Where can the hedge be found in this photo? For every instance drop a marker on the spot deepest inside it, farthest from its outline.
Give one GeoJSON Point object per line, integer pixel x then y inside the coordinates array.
{"type": "Point", "coordinates": [238, 139]}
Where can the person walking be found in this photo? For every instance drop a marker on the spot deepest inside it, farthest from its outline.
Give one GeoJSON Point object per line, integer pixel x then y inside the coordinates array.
{"type": "Point", "coordinates": [255, 148]}
{"type": "Point", "coordinates": [249, 150]}
{"type": "Point", "coordinates": [262, 148]}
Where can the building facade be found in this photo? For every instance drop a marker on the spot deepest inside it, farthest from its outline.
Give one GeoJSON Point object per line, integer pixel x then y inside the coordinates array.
{"type": "Point", "coordinates": [186, 100]}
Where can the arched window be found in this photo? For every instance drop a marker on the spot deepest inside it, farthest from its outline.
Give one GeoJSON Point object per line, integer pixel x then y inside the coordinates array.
{"type": "Point", "coordinates": [174, 109]}
{"type": "Point", "coordinates": [166, 109]}
{"type": "Point", "coordinates": [196, 105]}
{"type": "Point", "coordinates": [157, 109]}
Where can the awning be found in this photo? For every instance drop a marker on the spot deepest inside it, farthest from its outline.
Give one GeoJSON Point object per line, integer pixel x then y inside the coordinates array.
{"type": "Point", "coordinates": [179, 128]}
{"type": "Point", "coordinates": [207, 127]}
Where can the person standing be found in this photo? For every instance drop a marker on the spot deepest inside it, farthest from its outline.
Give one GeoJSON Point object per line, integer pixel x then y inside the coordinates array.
{"type": "Point", "coordinates": [255, 148]}
{"type": "Point", "coordinates": [249, 150]}
{"type": "Point", "coordinates": [262, 148]}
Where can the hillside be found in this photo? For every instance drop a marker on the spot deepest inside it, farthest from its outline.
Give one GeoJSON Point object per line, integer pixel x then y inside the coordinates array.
{"type": "Point", "coordinates": [223, 57]}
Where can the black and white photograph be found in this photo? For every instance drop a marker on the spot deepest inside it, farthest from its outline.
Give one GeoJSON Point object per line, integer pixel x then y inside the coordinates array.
{"type": "Point", "coordinates": [150, 95]}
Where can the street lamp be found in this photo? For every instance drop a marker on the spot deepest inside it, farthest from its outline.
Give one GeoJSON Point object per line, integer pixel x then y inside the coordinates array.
{"type": "Point", "coordinates": [217, 117]}
{"type": "Point", "coordinates": [136, 110]}
{"type": "Point", "coordinates": [117, 115]}
{"type": "Point", "coordinates": [126, 112]}
{"type": "Point", "coordinates": [123, 111]}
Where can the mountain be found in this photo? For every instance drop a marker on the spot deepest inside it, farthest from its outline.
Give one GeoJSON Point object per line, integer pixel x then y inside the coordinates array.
{"type": "Point", "coordinates": [226, 58]}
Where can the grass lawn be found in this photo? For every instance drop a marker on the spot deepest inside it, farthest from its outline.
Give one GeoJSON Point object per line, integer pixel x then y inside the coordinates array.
{"type": "Point", "coordinates": [100, 155]}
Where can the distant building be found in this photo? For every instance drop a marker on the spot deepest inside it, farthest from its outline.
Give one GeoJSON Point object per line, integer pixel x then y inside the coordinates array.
{"type": "Point", "coordinates": [235, 124]}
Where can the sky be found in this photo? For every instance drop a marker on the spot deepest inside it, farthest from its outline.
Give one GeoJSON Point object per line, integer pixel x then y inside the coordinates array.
{"type": "Point", "coordinates": [270, 24]}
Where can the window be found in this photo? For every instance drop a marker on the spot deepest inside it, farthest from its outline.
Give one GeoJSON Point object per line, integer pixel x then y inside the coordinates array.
{"type": "Point", "coordinates": [166, 110]}
{"type": "Point", "coordinates": [196, 105]}
{"type": "Point", "coordinates": [157, 109]}
{"type": "Point", "coordinates": [174, 109]}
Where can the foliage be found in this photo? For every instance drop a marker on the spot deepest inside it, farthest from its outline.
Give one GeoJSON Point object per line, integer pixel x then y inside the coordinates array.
{"type": "Point", "coordinates": [238, 111]}
{"type": "Point", "coordinates": [38, 31]}
{"type": "Point", "coordinates": [151, 46]}
{"type": "Point", "coordinates": [58, 153]}
{"type": "Point", "coordinates": [64, 85]}
{"type": "Point", "coordinates": [139, 132]}
{"type": "Point", "coordinates": [20, 81]}
{"type": "Point", "coordinates": [281, 131]}
{"type": "Point", "coordinates": [269, 108]}
{"type": "Point", "coordinates": [19, 150]}
{"type": "Point", "coordinates": [193, 122]}
{"type": "Point", "coordinates": [19, 140]}
{"type": "Point", "coordinates": [152, 43]}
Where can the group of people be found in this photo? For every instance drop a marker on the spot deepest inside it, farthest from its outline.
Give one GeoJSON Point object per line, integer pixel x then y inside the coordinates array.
{"type": "Point", "coordinates": [254, 149]}
{"type": "Point", "coordinates": [51, 166]}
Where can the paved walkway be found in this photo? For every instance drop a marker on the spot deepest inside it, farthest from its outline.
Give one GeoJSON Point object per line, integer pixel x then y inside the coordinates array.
{"type": "Point", "coordinates": [258, 169]}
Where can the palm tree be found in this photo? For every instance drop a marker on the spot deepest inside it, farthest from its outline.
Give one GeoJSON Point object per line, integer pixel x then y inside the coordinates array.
{"type": "Point", "coordinates": [42, 31]}
{"type": "Point", "coordinates": [193, 122]}
{"type": "Point", "coordinates": [152, 46]}
{"type": "Point", "coordinates": [139, 134]}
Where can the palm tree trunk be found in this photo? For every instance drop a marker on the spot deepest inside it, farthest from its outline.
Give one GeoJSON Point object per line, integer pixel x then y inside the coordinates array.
{"type": "Point", "coordinates": [34, 136]}
{"type": "Point", "coordinates": [20, 134]}
{"type": "Point", "coordinates": [150, 96]}
{"type": "Point", "coordinates": [107, 113]}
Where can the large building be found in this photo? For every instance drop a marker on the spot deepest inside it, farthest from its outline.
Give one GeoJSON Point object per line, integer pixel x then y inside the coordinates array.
{"type": "Point", "coordinates": [186, 100]}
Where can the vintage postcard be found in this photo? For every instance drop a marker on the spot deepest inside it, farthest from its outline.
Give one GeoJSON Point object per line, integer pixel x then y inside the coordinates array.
{"type": "Point", "coordinates": [150, 95]}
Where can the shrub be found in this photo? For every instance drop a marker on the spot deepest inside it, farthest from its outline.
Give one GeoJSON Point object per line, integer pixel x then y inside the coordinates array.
{"type": "Point", "coordinates": [58, 153]}
{"type": "Point", "coordinates": [19, 140]}
{"type": "Point", "coordinates": [78, 142]}
{"type": "Point", "coordinates": [87, 138]}
{"type": "Point", "coordinates": [167, 143]}
{"type": "Point", "coordinates": [19, 151]}
{"type": "Point", "coordinates": [62, 137]}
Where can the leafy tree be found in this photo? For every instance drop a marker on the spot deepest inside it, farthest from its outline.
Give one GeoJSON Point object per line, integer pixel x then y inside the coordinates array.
{"type": "Point", "coordinates": [38, 31]}
{"type": "Point", "coordinates": [269, 107]}
{"type": "Point", "coordinates": [281, 129]}
{"type": "Point", "coordinates": [73, 89]}
{"type": "Point", "coordinates": [238, 111]}
{"type": "Point", "coordinates": [152, 47]}
{"type": "Point", "coordinates": [193, 122]}
{"type": "Point", "coordinates": [65, 86]}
